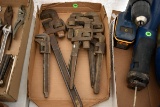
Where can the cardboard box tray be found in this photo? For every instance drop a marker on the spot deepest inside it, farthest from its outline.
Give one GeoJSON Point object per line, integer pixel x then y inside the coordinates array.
{"type": "Point", "coordinates": [58, 94]}
{"type": "Point", "coordinates": [148, 97]}
{"type": "Point", "coordinates": [18, 48]}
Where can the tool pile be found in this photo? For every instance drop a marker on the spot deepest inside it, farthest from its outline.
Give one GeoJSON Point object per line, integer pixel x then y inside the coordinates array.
{"type": "Point", "coordinates": [138, 26]}
{"type": "Point", "coordinates": [83, 29]}
{"type": "Point", "coordinates": [7, 33]}
{"type": "Point", "coordinates": [86, 29]}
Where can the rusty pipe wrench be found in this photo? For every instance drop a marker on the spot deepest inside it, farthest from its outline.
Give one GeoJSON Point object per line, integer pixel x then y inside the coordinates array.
{"type": "Point", "coordinates": [20, 19]}
{"type": "Point", "coordinates": [96, 25]}
{"type": "Point", "coordinates": [99, 53]}
{"type": "Point", "coordinates": [52, 30]}
{"type": "Point", "coordinates": [56, 22]}
{"type": "Point", "coordinates": [44, 41]}
{"type": "Point", "coordinates": [94, 59]}
{"type": "Point", "coordinates": [78, 36]}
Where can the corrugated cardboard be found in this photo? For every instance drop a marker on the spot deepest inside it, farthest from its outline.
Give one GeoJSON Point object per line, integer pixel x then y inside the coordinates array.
{"type": "Point", "coordinates": [148, 97]}
{"type": "Point", "coordinates": [58, 94]}
{"type": "Point", "coordinates": [10, 91]}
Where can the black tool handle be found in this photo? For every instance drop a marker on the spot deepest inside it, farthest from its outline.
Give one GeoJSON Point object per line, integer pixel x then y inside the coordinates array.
{"type": "Point", "coordinates": [140, 67]}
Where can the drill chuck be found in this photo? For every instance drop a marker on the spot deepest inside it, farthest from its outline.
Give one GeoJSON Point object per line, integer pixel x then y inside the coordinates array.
{"type": "Point", "coordinates": [141, 20]}
{"type": "Point", "coordinates": [140, 13]}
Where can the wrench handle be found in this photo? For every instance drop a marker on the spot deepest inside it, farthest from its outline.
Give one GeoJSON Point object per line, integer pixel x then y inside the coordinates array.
{"type": "Point", "coordinates": [98, 71]}
{"type": "Point", "coordinates": [92, 64]}
{"type": "Point", "coordinates": [64, 71]}
{"type": "Point", "coordinates": [73, 63]}
{"type": "Point", "coordinates": [45, 75]}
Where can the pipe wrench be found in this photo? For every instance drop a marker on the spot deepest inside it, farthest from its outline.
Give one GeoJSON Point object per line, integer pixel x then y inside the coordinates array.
{"type": "Point", "coordinates": [20, 20]}
{"type": "Point", "coordinates": [81, 34]}
{"type": "Point", "coordinates": [99, 53]}
{"type": "Point", "coordinates": [55, 26]}
{"type": "Point", "coordinates": [44, 41]}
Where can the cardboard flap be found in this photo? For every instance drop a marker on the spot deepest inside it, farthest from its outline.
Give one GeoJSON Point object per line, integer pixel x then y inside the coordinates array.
{"type": "Point", "coordinates": [68, 7]}
{"type": "Point", "coordinates": [14, 2]}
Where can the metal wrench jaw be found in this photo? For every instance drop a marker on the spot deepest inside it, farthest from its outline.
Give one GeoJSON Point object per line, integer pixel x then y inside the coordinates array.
{"type": "Point", "coordinates": [7, 30]}
{"type": "Point", "coordinates": [54, 27]}
{"type": "Point", "coordinates": [20, 20]}
{"type": "Point", "coordinates": [44, 41]}
{"type": "Point", "coordinates": [49, 13]}
{"type": "Point", "coordinates": [21, 11]}
{"type": "Point", "coordinates": [100, 37]}
{"type": "Point", "coordinates": [91, 14]}
{"type": "Point", "coordinates": [100, 45]}
{"type": "Point", "coordinates": [8, 15]}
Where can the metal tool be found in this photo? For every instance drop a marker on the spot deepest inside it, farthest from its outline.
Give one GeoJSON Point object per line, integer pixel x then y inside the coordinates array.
{"type": "Point", "coordinates": [96, 25]}
{"type": "Point", "coordinates": [82, 34]}
{"type": "Point", "coordinates": [99, 53]}
{"type": "Point", "coordinates": [92, 62]}
{"type": "Point", "coordinates": [15, 58]}
{"type": "Point", "coordinates": [5, 67]}
{"type": "Point", "coordinates": [136, 14]}
{"type": "Point", "coordinates": [81, 28]}
{"type": "Point", "coordinates": [138, 76]}
{"type": "Point", "coordinates": [56, 22]}
{"type": "Point", "coordinates": [52, 30]}
{"type": "Point", "coordinates": [6, 32]}
{"type": "Point", "coordinates": [20, 19]}
{"type": "Point", "coordinates": [135, 97]}
{"type": "Point", "coordinates": [44, 41]}
{"type": "Point", "coordinates": [98, 28]}
{"type": "Point", "coordinates": [8, 15]}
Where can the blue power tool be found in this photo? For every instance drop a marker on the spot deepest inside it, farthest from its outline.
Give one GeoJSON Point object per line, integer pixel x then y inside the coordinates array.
{"type": "Point", "coordinates": [144, 46]}
{"type": "Point", "coordinates": [136, 14]}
